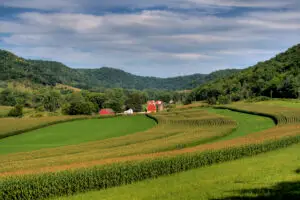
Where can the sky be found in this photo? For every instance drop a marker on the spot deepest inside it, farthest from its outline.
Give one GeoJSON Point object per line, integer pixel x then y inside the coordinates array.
{"type": "Point", "coordinates": [162, 38]}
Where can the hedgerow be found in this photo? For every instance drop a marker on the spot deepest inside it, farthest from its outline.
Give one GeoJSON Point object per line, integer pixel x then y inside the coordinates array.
{"type": "Point", "coordinates": [71, 182]}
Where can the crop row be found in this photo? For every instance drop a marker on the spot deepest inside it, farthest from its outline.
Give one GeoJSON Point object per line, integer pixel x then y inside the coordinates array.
{"type": "Point", "coordinates": [72, 182]}
{"type": "Point", "coordinates": [280, 115]}
{"type": "Point", "coordinates": [164, 137]}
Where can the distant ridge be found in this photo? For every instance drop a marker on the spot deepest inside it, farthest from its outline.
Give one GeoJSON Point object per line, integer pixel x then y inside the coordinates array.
{"type": "Point", "coordinates": [13, 67]}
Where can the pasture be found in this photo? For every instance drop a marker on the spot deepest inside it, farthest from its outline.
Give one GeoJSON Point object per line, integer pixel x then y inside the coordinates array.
{"type": "Point", "coordinates": [189, 138]}
{"type": "Point", "coordinates": [75, 132]}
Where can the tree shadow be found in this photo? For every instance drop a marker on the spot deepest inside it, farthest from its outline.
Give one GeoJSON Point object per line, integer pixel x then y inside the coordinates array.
{"type": "Point", "coordinates": [280, 191]}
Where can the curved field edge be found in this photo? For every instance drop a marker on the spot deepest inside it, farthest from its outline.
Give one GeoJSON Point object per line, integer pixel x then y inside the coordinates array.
{"type": "Point", "coordinates": [280, 114]}
{"type": "Point", "coordinates": [273, 117]}
{"type": "Point", "coordinates": [46, 124]}
{"type": "Point", "coordinates": [83, 180]}
{"type": "Point", "coordinates": [247, 123]}
{"type": "Point", "coordinates": [75, 133]}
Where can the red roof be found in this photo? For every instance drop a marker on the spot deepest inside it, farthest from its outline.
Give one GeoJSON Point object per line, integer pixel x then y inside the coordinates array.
{"type": "Point", "coordinates": [151, 107]}
{"type": "Point", "coordinates": [106, 111]}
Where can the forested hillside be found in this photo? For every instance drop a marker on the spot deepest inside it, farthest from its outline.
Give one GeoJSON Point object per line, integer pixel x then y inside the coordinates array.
{"type": "Point", "coordinates": [13, 67]}
{"type": "Point", "coordinates": [278, 77]}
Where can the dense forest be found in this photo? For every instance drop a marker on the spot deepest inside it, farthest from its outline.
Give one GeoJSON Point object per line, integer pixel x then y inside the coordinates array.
{"type": "Point", "coordinates": [13, 67]}
{"type": "Point", "coordinates": [278, 77]}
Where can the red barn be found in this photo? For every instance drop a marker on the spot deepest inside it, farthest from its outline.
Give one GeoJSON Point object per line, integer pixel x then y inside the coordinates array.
{"type": "Point", "coordinates": [151, 107]}
{"type": "Point", "coordinates": [106, 111]}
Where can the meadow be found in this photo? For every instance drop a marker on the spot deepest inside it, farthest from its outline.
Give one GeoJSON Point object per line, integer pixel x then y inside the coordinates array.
{"type": "Point", "coordinates": [75, 132]}
{"type": "Point", "coordinates": [194, 139]}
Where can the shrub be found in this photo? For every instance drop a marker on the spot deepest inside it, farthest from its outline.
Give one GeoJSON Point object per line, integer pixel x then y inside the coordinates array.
{"type": "Point", "coordinates": [79, 108]}
{"type": "Point", "coordinates": [17, 111]}
{"type": "Point", "coordinates": [212, 101]}
{"type": "Point", "coordinates": [222, 99]}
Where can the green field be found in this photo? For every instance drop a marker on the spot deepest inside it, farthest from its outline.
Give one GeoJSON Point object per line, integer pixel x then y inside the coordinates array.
{"type": "Point", "coordinates": [247, 124]}
{"type": "Point", "coordinates": [268, 176]}
{"type": "Point", "coordinates": [75, 132]}
{"type": "Point", "coordinates": [294, 103]}
{"type": "Point", "coordinates": [136, 158]}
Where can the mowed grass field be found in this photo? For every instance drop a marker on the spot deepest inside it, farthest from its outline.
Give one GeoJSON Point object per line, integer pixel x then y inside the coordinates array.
{"type": "Point", "coordinates": [270, 176]}
{"type": "Point", "coordinates": [247, 124]}
{"type": "Point", "coordinates": [75, 132]}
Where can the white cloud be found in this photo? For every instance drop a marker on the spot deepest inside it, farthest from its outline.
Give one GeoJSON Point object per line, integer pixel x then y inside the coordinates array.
{"type": "Point", "coordinates": [104, 4]}
{"type": "Point", "coordinates": [165, 40]}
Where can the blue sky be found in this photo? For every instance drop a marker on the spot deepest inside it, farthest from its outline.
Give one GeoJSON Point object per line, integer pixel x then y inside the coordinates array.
{"type": "Point", "coordinates": [150, 37]}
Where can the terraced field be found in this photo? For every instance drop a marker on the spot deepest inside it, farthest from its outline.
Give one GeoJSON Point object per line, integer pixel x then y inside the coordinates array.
{"type": "Point", "coordinates": [184, 139]}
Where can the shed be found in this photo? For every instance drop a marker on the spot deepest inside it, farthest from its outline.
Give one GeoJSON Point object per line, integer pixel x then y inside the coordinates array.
{"type": "Point", "coordinates": [106, 111]}
{"type": "Point", "coordinates": [128, 112]}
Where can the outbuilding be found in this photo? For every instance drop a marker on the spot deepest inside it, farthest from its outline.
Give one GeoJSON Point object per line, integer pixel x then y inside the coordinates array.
{"type": "Point", "coordinates": [128, 112]}
{"type": "Point", "coordinates": [151, 107]}
{"type": "Point", "coordinates": [106, 111]}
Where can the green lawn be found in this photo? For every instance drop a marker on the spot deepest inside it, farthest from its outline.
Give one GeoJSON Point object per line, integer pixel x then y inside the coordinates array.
{"type": "Point", "coordinates": [269, 176]}
{"type": "Point", "coordinates": [247, 124]}
{"type": "Point", "coordinates": [74, 133]}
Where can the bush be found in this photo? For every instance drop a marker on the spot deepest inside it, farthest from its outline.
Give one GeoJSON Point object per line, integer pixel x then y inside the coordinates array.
{"type": "Point", "coordinates": [258, 99]}
{"type": "Point", "coordinates": [212, 101]}
{"type": "Point", "coordinates": [78, 108]}
{"type": "Point", "coordinates": [17, 111]}
{"type": "Point", "coordinates": [224, 99]}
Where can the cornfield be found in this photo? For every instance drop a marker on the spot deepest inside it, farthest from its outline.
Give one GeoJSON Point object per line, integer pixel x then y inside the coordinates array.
{"type": "Point", "coordinates": [71, 182]}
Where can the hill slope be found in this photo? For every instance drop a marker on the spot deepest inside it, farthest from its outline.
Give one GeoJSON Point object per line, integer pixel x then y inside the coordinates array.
{"type": "Point", "coordinates": [13, 67]}
{"type": "Point", "coordinates": [278, 77]}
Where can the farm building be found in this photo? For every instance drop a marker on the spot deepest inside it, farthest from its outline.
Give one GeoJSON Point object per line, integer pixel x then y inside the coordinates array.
{"type": "Point", "coordinates": [154, 106]}
{"type": "Point", "coordinates": [128, 112]}
{"type": "Point", "coordinates": [106, 111]}
{"type": "Point", "coordinates": [151, 107]}
{"type": "Point", "coordinates": [160, 105]}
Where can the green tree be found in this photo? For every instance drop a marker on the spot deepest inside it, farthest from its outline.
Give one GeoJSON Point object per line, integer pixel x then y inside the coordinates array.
{"type": "Point", "coordinates": [135, 101]}
{"type": "Point", "coordinates": [51, 100]}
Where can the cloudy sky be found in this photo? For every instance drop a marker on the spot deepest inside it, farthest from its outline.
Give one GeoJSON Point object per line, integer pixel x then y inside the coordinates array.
{"type": "Point", "coordinates": [150, 37]}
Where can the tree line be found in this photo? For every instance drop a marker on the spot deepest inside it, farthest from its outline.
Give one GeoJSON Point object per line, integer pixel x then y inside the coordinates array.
{"type": "Point", "coordinates": [84, 102]}
{"type": "Point", "coordinates": [278, 77]}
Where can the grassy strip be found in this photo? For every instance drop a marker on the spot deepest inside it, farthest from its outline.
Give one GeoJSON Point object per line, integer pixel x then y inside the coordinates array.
{"type": "Point", "coordinates": [17, 132]}
{"type": "Point", "coordinates": [273, 117]}
{"type": "Point", "coordinates": [72, 182]}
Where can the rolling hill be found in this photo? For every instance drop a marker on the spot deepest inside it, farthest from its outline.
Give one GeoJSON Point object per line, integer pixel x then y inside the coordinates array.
{"type": "Point", "coordinates": [278, 77]}
{"type": "Point", "coordinates": [13, 67]}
